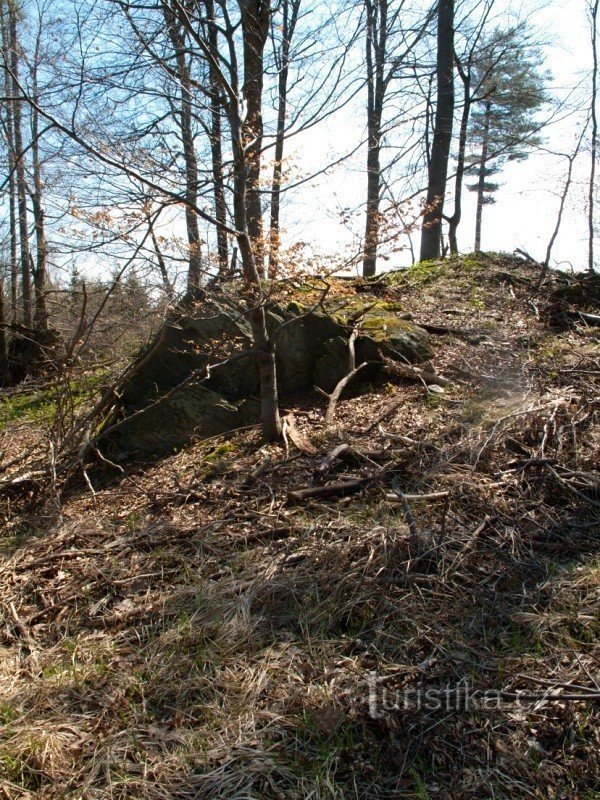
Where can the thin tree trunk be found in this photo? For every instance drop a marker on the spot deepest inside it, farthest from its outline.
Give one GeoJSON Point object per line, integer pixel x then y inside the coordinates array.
{"type": "Point", "coordinates": [563, 199]}
{"type": "Point", "coordinates": [12, 194]}
{"type": "Point", "coordinates": [189, 154]}
{"type": "Point", "coordinates": [482, 175]}
{"type": "Point", "coordinates": [373, 199]}
{"type": "Point", "coordinates": [376, 43]}
{"type": "Point", "coordinates": [14, 257]}
{"type": "Point", "coordinates": [4, 362]}
{"type": "Point", "coordinates": [41, 311]}
{"type": "Point", "coordinates": [20, 172]}
{"type": "Point", "coordinates": [442, 135]}
{"type": "Point", "coordinates": [455, 219]}
{"type": "Point", "coordinates": [291, 9]}
{"type": "Point", "coordinates": [594, 115]}
{"type": "Point", "coordinates": [270, 419]}
{"type": "Point", "coordinates": [216, 144]}
{"type": "Point", "coordinates": [164, 274]}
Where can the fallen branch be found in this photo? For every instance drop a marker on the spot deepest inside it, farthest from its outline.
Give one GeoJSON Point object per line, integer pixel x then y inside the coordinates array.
{"type": "Point", "coordinates": [338, 489]}
{"type": "Point", "coordinates": [296, 436]}
{"type": "Point", "coordinates": [410, 520]}
{"type": "Point", "coordinates": [417, 498]}
{"type": "Point", "coordinates": [386, 414]}
{"type": "Point", "coordinates": [353, 370]}
{"type": "Point", "coordinates": [348, 452]}
{"type": "Point", "coordinates": [396, 437]}
{"type": "Point", "coordinates": [414, 374]}
{"type": "Point", "coordinates": [590, 319]}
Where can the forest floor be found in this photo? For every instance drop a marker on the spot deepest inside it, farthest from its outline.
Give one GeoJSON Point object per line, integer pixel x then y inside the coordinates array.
{"type": "Point", "coordinates": [193, 630]}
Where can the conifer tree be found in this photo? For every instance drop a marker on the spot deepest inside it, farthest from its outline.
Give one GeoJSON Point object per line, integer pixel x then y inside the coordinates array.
{"type": "Point", "coordinates": [504, 126]}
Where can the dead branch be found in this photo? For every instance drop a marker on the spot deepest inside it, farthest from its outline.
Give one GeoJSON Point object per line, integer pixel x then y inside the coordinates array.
{"type": "Point", "coordinates": [296, 436]}
{"type": "Point", "coordinates": [418, 498]}
{"type": "Point", "coordinates": [353, 370]}
{"type": "Point", "coordinates": [339, 489]}
{"type": "Point", "coordinates": [410, 520]}
{"type": "Point", "coordinates": [414, 374]}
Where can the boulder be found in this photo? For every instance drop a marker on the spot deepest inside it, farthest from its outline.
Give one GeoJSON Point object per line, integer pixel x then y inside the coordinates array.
{"type": "Point", "coordinates": [167, 399]}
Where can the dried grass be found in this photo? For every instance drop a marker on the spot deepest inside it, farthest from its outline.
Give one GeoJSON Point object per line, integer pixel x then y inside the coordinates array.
{"type": "Point", "coordinates": [189, 633]}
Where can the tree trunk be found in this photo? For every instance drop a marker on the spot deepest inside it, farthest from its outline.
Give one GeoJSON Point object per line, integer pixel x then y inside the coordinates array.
{"type": "Point", "coordinates": [270, 419]}
{"type": "Point", "coordinates": [455, 219]}
{"type": "Point", "coordinates": [482, 175]}
{"type": "Point", "coordinates": [442, 135]}
{"type": "Point", "coordinates": [12, 189]}
{"type": "Point", "coordinates": [216, 144]}
{"type": "Point", "coordinates": [41, 312]}
{"type": "Point", "coordinates": [246, 169]}
{"type": "Point", "coordinates": [20, 172]}
{"type": "Point", "coordinates": [373, 199]}
{"type": "Point", "coordinates": [164, 274]}
{"type": "Point", "coordinates": [291, 9]}
{"type": "Point", "coordinates": [594, 114]}
{"type": "Point", "coordinates": [189, 154]}
{"type": "Point", "coordinates": [376, 42]}
{"type": "Point", "coordinates": [255, 26]}
{"type": "Point", "coordinates": [4, 363]}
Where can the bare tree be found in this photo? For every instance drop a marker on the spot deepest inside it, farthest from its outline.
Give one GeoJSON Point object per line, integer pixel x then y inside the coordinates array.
{"type": "Point", "coordinates": [376, 51]}
{"type": "Point", "coordinates": [431, 233]}
{"type": "Point", "coordinates": [178, 38]}
{"type": "Point", "coordinates": [571, 158]}
{"type": "Point", "coordinates": [387, 49]}
{"type": "Point", "coordinates": [39, 274]}
{"type": "Point", "coordinates": [8, 130]}
{"type": "Point", "coordinates": [593, 8]}
{"type": "Point", "coordinates": [465, 63]}
{"type": "Point", "coordinates": [13, 62]}
{"type": "Point", "coordinates": [290, 10]}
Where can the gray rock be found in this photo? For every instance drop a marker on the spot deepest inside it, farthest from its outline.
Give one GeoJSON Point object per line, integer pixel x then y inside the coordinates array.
{"type": "Point", "coordinates": [167, 400]}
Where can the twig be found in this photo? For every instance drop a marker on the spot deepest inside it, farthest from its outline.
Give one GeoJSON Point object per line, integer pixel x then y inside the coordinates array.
{"type": "Point", "coordinates": [353, 370]}
{"type": "Point", "coordinates": [410, 520]}
{"type": "Point", "coordinates": [417, 498]}
{"type": "Point", "coordinates": [414, 374]}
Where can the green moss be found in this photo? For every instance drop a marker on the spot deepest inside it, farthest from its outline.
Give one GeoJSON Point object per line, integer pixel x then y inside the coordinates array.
{"type": "Point", "coordinates": [40, 406]}
{"type": "Point", "coordinates": [37, 406]}
{"type": "Point", "coordinates": [8, 714]}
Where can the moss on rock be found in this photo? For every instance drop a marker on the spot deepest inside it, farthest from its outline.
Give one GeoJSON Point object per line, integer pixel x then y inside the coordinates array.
{"type": "Point", "coordinates": [169, 397]}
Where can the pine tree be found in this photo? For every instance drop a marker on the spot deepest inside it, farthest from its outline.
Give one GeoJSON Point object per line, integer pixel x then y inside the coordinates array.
{"type": "Point", "coordinates": [504, 127]}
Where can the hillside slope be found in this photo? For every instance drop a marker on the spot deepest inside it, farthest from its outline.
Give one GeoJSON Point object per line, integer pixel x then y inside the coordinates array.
{"type": "Point", "coordinates": [194, 629]}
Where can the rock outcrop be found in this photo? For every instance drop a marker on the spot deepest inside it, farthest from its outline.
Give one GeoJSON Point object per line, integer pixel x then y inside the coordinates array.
{"type": "Point", "coordinates": [196, 379]}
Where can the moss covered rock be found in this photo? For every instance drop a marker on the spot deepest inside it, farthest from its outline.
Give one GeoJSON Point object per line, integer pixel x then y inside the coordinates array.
{"type": "Point", "coordinates": [195, 380]}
